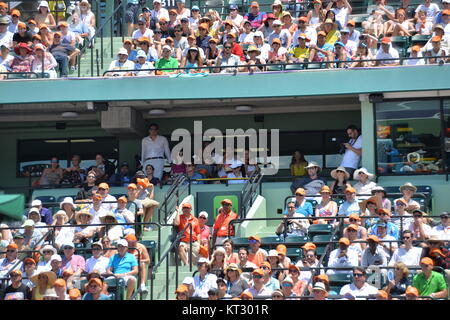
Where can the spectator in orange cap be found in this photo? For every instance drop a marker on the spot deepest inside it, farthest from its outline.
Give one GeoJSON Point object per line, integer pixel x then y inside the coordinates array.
{"type": "Point", "coordinates": [10, 260]}
{"type": "Point", "coordinates": [361, 232]}
{"type": "Point", "coordinates": [343, 257]}
{"type": "Point", "coordinates": [428, 282]}
{"type": "Point", "coordinates": [382, 295]}
{"type": "Point", "coordinates": [258, 289]}
{"type": "Point", "coordinates": [141, 252]}
{"type": "Point", "coordinates": [246, 295]}
{"type": "Point", "coordinates": [22, 35]}
{"type": "Point", "coordinates": [123, 215]}
{"type": "Point", "coordinates": [282, 256]}
{"type": "Point", "coordinates": [221, 225]}
{"type": "Point", "coordinates": [351, 203]}
{"type": "Point", "coordinates": [391, 229]}
{"type": "Point", "coordinates": [269, 281]}
{"type": "Point", "coordinates": [182, 292]}
{"type": "Point", "coordinates": [181, 221]}
{"type": "Point", "coordinates": [411, 293]}
{"type": "Point", "coordinates": [256, 255]}
{"type": "Point", "coordinates": [374, 254]}
{"type": "Point", "coordinates": [255, 16]}
{"type": "Point", "coordinates": [326, 207]}
{"type": "Point", "coordinates": [309, 260]}
{"type": "Point", "coordinates": [299, 285]}
{"type": "Point", "coordinates": [387, 51]}
{"type": "Point", "coordinates": [437, 52]}
{"type": "Point", "coordinates": [74, 294]}
{"type": "Point", "coordinates": [94, 289]}
{"type": "Point", "coordinates": [109, 202]}
{"type": "Point", "coordinates": [16, 290]}
{"type": "Point", "coordinates": [352, 235]}
{"type": "Point", "coordinates": [60, 287]}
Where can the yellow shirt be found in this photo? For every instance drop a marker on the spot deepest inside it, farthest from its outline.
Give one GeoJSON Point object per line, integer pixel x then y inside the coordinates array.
{"type": "Point", "coordinates": [332, 36]}
{"type": "Point", "coordinates": [298, 52]}
{"type": "Point", "coordinates": [300, 170]}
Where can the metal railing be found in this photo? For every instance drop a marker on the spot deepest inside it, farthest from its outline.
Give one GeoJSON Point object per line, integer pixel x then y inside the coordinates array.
{"type": "Point", "coordinates": [166, 256]}
{"type": "Point", "coordinates": [250, 191]}
{"type": "Point", "coordinates": [172, 197]}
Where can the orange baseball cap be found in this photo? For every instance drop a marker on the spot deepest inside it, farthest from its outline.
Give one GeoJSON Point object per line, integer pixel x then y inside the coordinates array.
{"type": "Point", "coordinates": [226, 201]}
{"type": "Point", "coordinates": [373, 238]}
{"type": "Point", "coordinates": [254, 4]}
{"type": "Point", "coordinates": [131, 237]}
{"type": "Point", "coordinates": [15, 12]}
{"type": "Point", "coordinates": [446, 12]}
{"type": "Point", "coordinates": [276, 40]}
{"type": "Point", "coordinates": [169, 39]}
{"type": "Point", "coordinates": [123, 199]}
{"type": "Point", "coordinates": [97, 197]}
{"type": "Point", "coordinates": [293, 266]}
{"type": "Point", "coordinates": [322, 277]}
{"type": "Point", "coordinates": [21, 25]}
{"type": "Point", "coordinates": [254, 238]}
{"type": "Point", "coordinates": [321, 33]}
{"type": "Point", "coordinates": [61, 283]}
{"type": "Point", "coordinates": [325, 189]}
{"type": "Point", "coordinates": [384, 210]}
{"type": "Point", "coordinates": [383, 294]}
{"type": "Point", "coordinates": [386, 40]}
{"type": "Point", "coordinates": [143, 182]}
{"type": "Point", "coordinates": [281, 248]}
{"type": "Point", "coordinates": [345, 241]}
{"type": "Point", "coordinates": [203, 251]}
{"type": "Point", "coordinates": [36, 36]}
{"type": "Point", "coordinates": [427, 261]}
{"type": "Point", "coordinates": [97, 281]}
{"type": "Point", "coordinates": [42, 26]}
{"type": "Point", "coordinates": [353, 227]}
{"type": "Point", "coordinates": [354, 216]}
{"type": "Point", "coordinates": [258, 271]}
{"type": "Point", "coordinates": [103, 185]}
{"type": "Point", "coordinates": [74, 293]}
{"type": "Point", "coordinates": [28, 260]}
{"type": "Point", "coordinates": [203, 26]}
{"type": "Point", "coordinates": [412, 291]}
{"type": "Point", "coordinates": [186, 205]}
{"type": "Point", "coordinates": [12, 246]}
{"type": "Point", "coordinates": [143, 39]}
{"type": "Point", "coordinates": [182, 289]}
{"type": "Point", "coordinates": [63, 24]}
{"type": "Point", "coordinates": [436, 39]}
{"type": "Point", "coordinates": [303, 18]}
{"type": "Point", "coordinates": [231, 34]}
{"type": "Point", "coordinates": [16, 271]}
{"type": "Point", "coordinates": [173, 11]}
{"type": "Point", "coordinates": [438, 251]}
{"type": "Point", "coordinates": [351, 22]}
{"type": "Point", "coordinates": [3, 5]}
{"type": "Point", "coordinates": [191, 37]}
{"type": "Point", "coordinates": [128, 41]}
{"type": "Point", "coordinates": [132, 186]}
{"type": "Point", "coordinates": [299, 190]}
{"type": "Point", "coordinates": [401, 199]}
{"type": "Point", "coordinates": [350, 189]}
{"type": "Point", "coordinates": [247, 294]}
{"type": "Point", "coordinates": [265, 264]}
{"type": "Point", "coordinates": [309, 246]}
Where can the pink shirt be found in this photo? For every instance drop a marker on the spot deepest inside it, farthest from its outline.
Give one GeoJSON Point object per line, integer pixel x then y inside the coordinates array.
{"type": "Point", "coordinates": [205, 233]}
{"type": "Point", "coordinates": [75, 263]}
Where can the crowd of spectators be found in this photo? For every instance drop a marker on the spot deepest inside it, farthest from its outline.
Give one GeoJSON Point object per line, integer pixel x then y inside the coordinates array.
{"type": "Point", "coordinates": [240, 41]}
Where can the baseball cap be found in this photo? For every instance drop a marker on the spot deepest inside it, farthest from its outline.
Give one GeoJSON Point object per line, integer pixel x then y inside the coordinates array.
{"type": "Point", "coordinates": [381, 224]}
{"type": "Point", "coordinates": [254, 238]}
{"type": "Point", "coordinates": [277, 23]}
{"type": "Point", "coordinates": [202, 260]}
{"type": "Point", "coordinates": [321, 33]}
{"type": "Point", "coordinates": [195, 8]}
{"type": "Point", "coordinates": [345, 241]}
{"type": "Point", "coordinates": [28, 223]}
{"type": "Point", "coordinates": [345, 30]}
{"type": "Point", "coordinates": [56, 257]}
{"type": "Point", "coordinates": [374, 238]}
{"type": "Point", "coordinates": [186, 205]}
{"type": "Point", "coordinates": [386, 40]}
{"type": "Point", "coordinates": [141, 54]}
{"type": "Point", "coordinates": [254, 4]}
{"type": "Point", "coordinates": [125, 52]}
{"type": "Point", "coordinates": [122, 242]}
{"type": "Point", "coordinates": [188, 281]}
{"type": "Point", "coordinates": [166, 47]}
{"type": "Point", "coordinates": [436, 39]}
{"type": "Point", "coordinates": [427, 261]}
{"type": "Point", "coordinates": [233, 6]}
{"type": "Point", "coordinates": [36, 203]}
{"type": "Point", "coordinates": [203, 214]}
{"type": "Point", "coordinates": [348, 189]}
{"type": "Point", "coordinates": [339, 43]}
{"type": "Point", "coordinates": [258, 34]}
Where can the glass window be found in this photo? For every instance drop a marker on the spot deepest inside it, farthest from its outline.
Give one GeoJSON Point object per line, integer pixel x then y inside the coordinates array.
{"type": "Point", "coordinates": [409, 137]}
{"type": "Point", "coordinates": [34, 155]}
{"type": "Point", "coordinates": [447, 133]}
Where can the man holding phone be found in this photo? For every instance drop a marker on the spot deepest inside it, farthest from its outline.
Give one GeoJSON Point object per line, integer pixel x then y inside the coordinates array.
{"type": "Point", "coordinates": [353, 150]}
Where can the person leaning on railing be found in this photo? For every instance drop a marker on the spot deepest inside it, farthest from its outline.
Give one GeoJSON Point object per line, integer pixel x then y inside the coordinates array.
{"type": "Point", "coordinates": [181, 222]}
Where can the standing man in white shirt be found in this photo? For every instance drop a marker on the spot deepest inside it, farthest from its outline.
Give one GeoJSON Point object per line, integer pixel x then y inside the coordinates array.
{"type": "Point", "coordinates": [359, 288]}
{"type": "Point", "coordinates": [353, 150]}
{"type": "Point", "coordinates": [158, 11]}
{"type": "Point", "coordinates": [343, 257]}
{"type": "Point", "coordinates": [443, 230]}
{"type": "Point", "coordinates": [154, 148]}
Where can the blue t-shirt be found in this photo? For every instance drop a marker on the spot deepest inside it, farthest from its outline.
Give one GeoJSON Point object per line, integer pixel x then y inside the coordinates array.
{"type": "Point", "coordinates": [326, 47]}
{"type": "Point", "coordinates": [306, 209]}
{"type": "Point", "coordinates": [392, 230]}
{"type": "Point", "coordinates": [88, 296]}
{"type": "Point", "coordinates": [122, 264]}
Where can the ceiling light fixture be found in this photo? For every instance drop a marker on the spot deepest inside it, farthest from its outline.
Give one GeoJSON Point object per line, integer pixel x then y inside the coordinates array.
{"type": "Point", "coordinates": [156, 112]}
{"type": "Point", "coordinates": [70, 114]}
{"type": "Point", "coordinates": [243, 108]}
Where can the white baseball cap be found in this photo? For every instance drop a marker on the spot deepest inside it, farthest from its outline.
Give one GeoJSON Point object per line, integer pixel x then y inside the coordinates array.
{"type": "Point", "coordinates": [56, 257]}
{"type": "Point", "coordinates": [236, 164]}
{"type": "Point", "coordinates": [123, 51]}
{"type": "Point", "coordinates": [141, 54]}
{"type": "Point", "coordinates": [36, 203]}
{"type": "Point", "coordinates": [277, 22]}
{"type": "Point", "coordinates": [203, 213]}
{"type": "Point", "coordinates": [154, 1]}
{"type": "Point", "coordinates": [188, 281]}
{"type": "Point", "coordinates": [167, 47]}
{"type": "Point", "coordinates": [202, 260]}
{"type": "Point", "coordinates": [122, 242]}
{"type": "Point", "coordinates": [258, 34]}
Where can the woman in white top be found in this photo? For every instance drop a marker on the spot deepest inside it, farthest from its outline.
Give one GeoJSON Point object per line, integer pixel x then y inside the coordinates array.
{"type": "Point", "coordinates": [236, 173]}
{"type": "Point", "coordinates": [44, 15]}
{"type": "Point", "coordinates": [88, 17]}
{"type": "Point", "coordinates": [364, 185]}
{"type": "Point", "coordinates": [47, 252]}
{"type": "Point", "coordinates": [246, 35]}
{"type": "Point", "coordinates": [400, 26]}
{"type": "Point", "coordinates": [62, 234]}
{"type": "Point", "coordinates": [408, 190]}
{"type": "Point", "coordinates": [316, 16]}
{"type": "Point", "coordinates": [97, 262]}
{"type": "Point", "coordinates": [84, 233]}
{"type": "Point", "coordinates": [48, 59]}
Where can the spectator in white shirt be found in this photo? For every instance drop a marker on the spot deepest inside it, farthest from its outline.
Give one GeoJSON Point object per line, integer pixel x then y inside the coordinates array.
{"type": "Point", "coordinates": [353, 150]}
{"type": "Point", "coordinates": [282, 34]}
{"type": "Point", "coordinates": [419, 227]}
{"type": "Point", "coordinates": [154, 148]}
{"type": "Point", "coordinates": [97, 262]}
{"type": "Point", "coordinates": [386, 51]}
{"type": "Point", "coordinates": [204, 281]}
{"type": "Point", "coordinates": [159, 12]}
{"type": "Point", "coordinates": [443, 230]}
{"type": "Point", "coordinates": [359, 288]}
{"type": "Point", "coordinates": [142, 31]}
{"type": "Point", "coordinates": [111, 201]}
{"type": "Point", "coordinates": [407, 254]}
{"type": "Point", "coordinates": [342, 257]}
{"type": "Point", "coordinates": [236, 173]}
{"type": "Point", "coordinates": [431, 9]}
{"type": "Point", "coordinates": [246, 37]}
{"type": "Point", "coordinates": [374, 254]}
{"type": "Point", "coordinates": [258, 289]}
{"type": "Point", "coordinates": [341, 11]}
{"type": "Point", "coordinates": [389, 246]}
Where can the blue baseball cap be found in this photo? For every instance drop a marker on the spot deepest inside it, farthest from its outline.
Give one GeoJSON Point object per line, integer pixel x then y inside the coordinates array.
{"type": "Point", "coordinates": [381, 224]}
{"type": "Point", "coordinates": [233, 6]}
{"type": "Point", "coordinates": [339, 43]}
{"type": "Point", "coordinates": [195, 8]}
{"type": "Point", "coordinates": [345, 30]}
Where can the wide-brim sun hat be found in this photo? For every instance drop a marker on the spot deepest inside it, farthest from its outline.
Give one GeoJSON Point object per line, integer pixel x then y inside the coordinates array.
{"type": "Point", "coordinates": [408, 185]}
{"type": "Point", "coordinates": [107, 214]}
{"type": "Point", "coordinates": [335, 171]}
{"type": "Point", "coordinates": [313, 164]}
{"type": "Point", "coordinates": [50, 275]}
{"type": "Point", "coordinates": [77, 216]}
{"type": "Point", "coordinates": [68, 200]}
{"type": "Point", "coordinates": [363, 170]}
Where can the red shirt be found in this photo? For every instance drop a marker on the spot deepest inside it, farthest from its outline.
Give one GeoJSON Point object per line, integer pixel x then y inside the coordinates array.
{"type": "Point", "coordinates": [237, 50]}
{"type": "Point", "coordinates": [222, 222]}
{"type": "Point", "coordinates": [195, 227]}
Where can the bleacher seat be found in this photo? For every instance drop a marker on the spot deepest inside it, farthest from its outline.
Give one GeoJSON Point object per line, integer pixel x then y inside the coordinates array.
{"type": "Point", "coordinates": [420, 39]}
{"type": "Point", "coordinates": [339, 280]}
{"type": "Point", "coordinates": [151, 248]}
{"type": "Point", "coordinates": [270, 240]}
{"type": "Point", "coordinates": [313, 202]}
{"type": "Point", "coordinates": [316, 229]}
{"type": "Point", "coordinates": [46, 199]}
{"type": "Point", "coordinates": [296, 241]}
{"type": "Point", "coordinates": [294, 253]}
{"type": "Point", "coordinates": [240, 242]}
{"type": "Point", "coordinates": [112, 285]}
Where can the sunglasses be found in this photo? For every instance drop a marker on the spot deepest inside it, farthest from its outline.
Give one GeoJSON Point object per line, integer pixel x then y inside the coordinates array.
{"type": "Point", "coordinates": [383, 214]}
{"type": "Point", "coordinates": [45, 252]}
{"type": "Point", "coordinates": [401, 204]}
{"type": "Point", "coordinates": [444, 217]}
{"type": "Point", "coordinates": [417, 216]}
{"type": "Point", "coordinates": [352, 220]}
{"type": "Point", "coordinates": [291, 207]}
{"type": "Point", "coordinates": [264, 267]}
{"type": "Point", "coordinates": [277, 296]}
{"type": "Point", "coordinates": [93, 177]}
{"type": "Point", "coordinates": [257, 277]}
{"type": "Point", "coordinates": [96, 249]}
{"type": "Point", "coordinates": [162, 23]}
{"type": "Point", "coordinates": [202, 218]}
{"type": "Point", "coordinates": [357, 275]}
{"type": "Point", "coordinates": [11, 250]}
{"type": "Point", "coordinates": [252, 241]}
{"type": "Point", "coordinates": [299, 195]}
{"type": "Point", "coordinates": [351, 230]}
{"type": "Point", "coordinates": [68, 248]}
{"type": "Point", "coordinates": [172, 14]}
{"type": "Point", "coordinates": [406, 238]}
{"type": "Point", "coordinates": [226, 204]}
{"type": "Point", "coordinates": [293, 271]}
{"type": "Point", "coordinates": [286, 285]}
